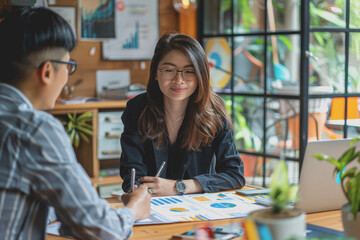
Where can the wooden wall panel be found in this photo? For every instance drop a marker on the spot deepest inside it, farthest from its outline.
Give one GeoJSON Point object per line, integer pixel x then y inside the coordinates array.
{"type": "Point", "coordinates": [88, 64]}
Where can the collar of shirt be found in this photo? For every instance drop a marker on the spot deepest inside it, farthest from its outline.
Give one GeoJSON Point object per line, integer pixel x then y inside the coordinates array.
{"type": "Point", "coordinates": [16, 95]}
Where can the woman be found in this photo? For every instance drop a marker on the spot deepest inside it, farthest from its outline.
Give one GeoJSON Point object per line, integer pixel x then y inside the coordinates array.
{"type": "Point", "coordinates": [182, 122]}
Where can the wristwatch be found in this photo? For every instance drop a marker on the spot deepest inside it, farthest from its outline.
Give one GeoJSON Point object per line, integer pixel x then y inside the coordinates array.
{"type": "Point", "coordinates": [180, 187]}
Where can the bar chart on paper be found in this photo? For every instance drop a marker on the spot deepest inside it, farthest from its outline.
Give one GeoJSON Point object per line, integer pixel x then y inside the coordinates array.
{"type": "Point", "coordinates": [137, 30]}
{"type": "Point", "coordinates": [133, 40]}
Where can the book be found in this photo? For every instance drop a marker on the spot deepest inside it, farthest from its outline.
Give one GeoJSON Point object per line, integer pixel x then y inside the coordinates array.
{"type": "Point", "coordinates": [318, 231]}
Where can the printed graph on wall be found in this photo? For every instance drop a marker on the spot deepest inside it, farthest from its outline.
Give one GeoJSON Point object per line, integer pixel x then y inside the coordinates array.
{"type": "Point", "coordinates": [137, 31]}
{"type": "Point", "coordinates": [97, 19]}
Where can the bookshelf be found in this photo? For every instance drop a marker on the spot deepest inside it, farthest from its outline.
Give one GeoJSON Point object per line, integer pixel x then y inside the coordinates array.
{"type": "Point", "coordinates": [86, 153]}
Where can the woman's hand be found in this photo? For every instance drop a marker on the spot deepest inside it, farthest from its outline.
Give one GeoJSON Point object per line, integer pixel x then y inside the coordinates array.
{"type": "Point", "coordinates": [159, 186]}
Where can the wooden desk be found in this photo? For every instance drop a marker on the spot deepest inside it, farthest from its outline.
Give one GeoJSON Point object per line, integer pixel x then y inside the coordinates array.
{"type": "Point", "coordinates": [330, 219]}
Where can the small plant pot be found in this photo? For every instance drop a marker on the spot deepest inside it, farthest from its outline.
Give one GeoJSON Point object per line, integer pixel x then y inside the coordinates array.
{"type": "Point", "coordinates": [290, 223]}
{"type": "Point", "coordinates": [351, 226]}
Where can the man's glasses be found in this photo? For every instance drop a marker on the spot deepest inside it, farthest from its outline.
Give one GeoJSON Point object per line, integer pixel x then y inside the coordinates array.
{"type": "Point", "coordinates": [170, 73]}
{"type": "Point", "coordinates": [71, 65]}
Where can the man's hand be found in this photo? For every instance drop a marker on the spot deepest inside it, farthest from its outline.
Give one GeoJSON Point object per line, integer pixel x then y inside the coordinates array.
{"type": "Point", "coordinates": [138, 202]}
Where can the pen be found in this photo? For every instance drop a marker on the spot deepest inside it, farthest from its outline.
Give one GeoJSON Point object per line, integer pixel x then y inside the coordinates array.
{"type": "Point", "coordinates": [160, 169]}
{"type": "Point", "coordinates": [132, 179]}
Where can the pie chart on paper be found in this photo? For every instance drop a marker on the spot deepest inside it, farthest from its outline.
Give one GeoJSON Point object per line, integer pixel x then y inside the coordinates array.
{"type": "Point", "coordinates": [178, 209]}
{"type": "Point", "coordinates": [223, 205]}
{"type": "Point", "coordinates": [218, 53]}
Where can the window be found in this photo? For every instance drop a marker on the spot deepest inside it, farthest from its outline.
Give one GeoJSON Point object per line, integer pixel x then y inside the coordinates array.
{"type": "Point", "coordinates": [282, 67]}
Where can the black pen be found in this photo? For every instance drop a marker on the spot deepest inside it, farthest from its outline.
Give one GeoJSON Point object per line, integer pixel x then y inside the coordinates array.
{"type": "Point", "coordinates": [160, 169]}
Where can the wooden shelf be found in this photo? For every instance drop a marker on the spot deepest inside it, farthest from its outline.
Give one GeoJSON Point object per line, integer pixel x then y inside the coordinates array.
{"type": "Point", "coordinates": [90, 105]}
{"type": "Point", "coordinates": [86, 153]}
{"type": "Point", "coordinates": [106, 180]}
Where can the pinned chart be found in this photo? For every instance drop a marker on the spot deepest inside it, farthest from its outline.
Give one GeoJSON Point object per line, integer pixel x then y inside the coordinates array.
{"type": "Point", "coordinates": [97, 19]}
{"type": "Point", "coordinates": [137, 28]}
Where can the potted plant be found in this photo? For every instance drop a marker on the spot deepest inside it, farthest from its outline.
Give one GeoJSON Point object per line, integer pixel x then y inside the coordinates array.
{"type": "Point", "coordinates": [283, 221]}
{"type": "Point", "coordinates": [350, 184]}
{"type": "Point", "coordinates": [78, 127]}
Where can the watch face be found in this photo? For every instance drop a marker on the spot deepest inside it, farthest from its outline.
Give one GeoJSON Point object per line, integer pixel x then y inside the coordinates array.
{"type": "Point", "coordinates": [180, 186]}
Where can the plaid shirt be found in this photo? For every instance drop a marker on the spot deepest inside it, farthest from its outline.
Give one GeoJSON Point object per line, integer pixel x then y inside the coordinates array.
{"type": "Point", "coordinates": [38, 169]}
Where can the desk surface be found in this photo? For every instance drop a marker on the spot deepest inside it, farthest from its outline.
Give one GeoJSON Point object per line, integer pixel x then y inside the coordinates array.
{"type": "Point", "coordinates": [330, 219]}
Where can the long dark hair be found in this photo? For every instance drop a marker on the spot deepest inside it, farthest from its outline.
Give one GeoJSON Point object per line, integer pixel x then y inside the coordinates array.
{"type": "Point", "coordinates": [205, 111]}
{"type": "Point", "coordinates": [27, 32]}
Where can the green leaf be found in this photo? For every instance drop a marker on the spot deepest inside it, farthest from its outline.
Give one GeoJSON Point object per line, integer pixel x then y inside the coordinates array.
{"type": "Point", "coordinates": [86, 115]}
{"type": "Point", "coordinates": [319, 38]}
{"type": "Point", "coordinates": [71, 125]}
{"type": "Point", "coordinates": [329, 159]}
{"type": "Point", "coordinates": [76, 140]}
{"type": "Point", "coordinates": [281, 191]}
{"type": "Point", "coordinates": [347, 157]}
{"type": "Point", "coordinates": [330, 17]}
{"type": "Point", "coordinates": [83, 137]}
{"type": "Point", "coordinates": [354, 194]}
{"type": "Point", "coordinates": [85, 130]}
{"type": "Point", "coordinates": [286, 41]}
{"type": "Point", "coordinates": [85, 125]}
{"type": "Point", "coordinates": [348, 174]}
{"type": "Point", "coordinates": [354, 140]}
{"type": "Point", "coordinates": [72, 116]}
{"type": "Point", "coordinates": [72, 136]}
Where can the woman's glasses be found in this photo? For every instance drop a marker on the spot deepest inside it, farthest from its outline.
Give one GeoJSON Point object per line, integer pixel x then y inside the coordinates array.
{"type": "Point", "coordinates": [170, 73]}
{"type": "Point", "coordinates": [71, 65]}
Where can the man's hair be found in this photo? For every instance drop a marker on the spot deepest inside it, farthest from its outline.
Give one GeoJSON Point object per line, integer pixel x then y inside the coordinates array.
{"type": "Point", "coordinates": [28, 37]}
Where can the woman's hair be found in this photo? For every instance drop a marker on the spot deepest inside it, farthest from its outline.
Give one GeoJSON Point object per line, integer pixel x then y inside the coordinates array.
{"type": "Point", "coordinates": [31, 35]}
{"type": "Point", "coordinates": [205, 112]}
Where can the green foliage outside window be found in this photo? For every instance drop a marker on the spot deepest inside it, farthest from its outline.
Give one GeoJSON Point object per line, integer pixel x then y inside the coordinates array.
{"type": "Point", "coordinates": [245, 139]}
{"type": "Point", "coordinates": [330, 64]}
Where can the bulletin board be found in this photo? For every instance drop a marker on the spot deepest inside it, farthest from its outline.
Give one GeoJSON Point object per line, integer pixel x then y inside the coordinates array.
{"type": "Point", "coordinates": [89, 53]}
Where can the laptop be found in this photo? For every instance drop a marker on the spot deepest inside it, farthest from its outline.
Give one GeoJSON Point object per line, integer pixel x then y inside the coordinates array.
{"type": "Point", "coordinates": [319, 187]}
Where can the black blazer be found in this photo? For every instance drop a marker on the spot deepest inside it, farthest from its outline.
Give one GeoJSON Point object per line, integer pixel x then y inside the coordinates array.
{"type": "Point", "coordinates": [216, 167]}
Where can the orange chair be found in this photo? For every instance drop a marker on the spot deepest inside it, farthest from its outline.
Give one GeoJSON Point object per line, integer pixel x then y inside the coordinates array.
{"type": "Point", "coordinates": [337, 111]}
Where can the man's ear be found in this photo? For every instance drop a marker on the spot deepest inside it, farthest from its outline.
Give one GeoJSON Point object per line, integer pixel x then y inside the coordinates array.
{"type": "Point", "coordinates": [45, 71]}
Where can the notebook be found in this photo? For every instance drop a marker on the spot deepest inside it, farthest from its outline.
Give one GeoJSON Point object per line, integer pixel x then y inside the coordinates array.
{"type": "Point", "coordinates": [319, 187]}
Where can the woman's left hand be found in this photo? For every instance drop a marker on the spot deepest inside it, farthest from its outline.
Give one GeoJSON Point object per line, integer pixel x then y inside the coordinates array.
{"type": "Point", "coordinates": [159, 186]}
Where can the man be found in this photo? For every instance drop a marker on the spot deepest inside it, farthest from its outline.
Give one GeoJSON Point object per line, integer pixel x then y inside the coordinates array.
{"type": "Point", "coordinates": [38, 168]}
